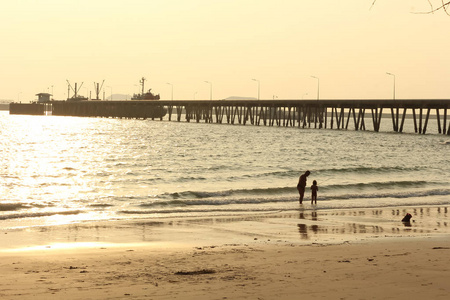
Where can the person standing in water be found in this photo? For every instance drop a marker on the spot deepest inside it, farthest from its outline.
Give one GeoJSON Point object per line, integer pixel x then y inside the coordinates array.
{"type": "Point", "coordinates": [314, 189]}
{"type": "Point", "coordinates": [301, 185]}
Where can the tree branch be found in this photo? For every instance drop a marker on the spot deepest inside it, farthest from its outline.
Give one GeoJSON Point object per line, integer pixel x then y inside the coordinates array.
{"type": "Point", "coordinates": [373, 3]}
{"type": "Point", "coordinates": [444, 6]}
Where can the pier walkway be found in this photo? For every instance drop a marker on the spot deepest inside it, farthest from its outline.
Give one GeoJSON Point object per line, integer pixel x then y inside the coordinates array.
{"type": "Point", "coordinates": [332, 114]}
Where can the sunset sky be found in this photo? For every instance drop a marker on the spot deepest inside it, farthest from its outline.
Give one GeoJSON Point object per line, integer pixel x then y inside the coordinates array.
{"type": "Point", "coordinates": [347, 44]}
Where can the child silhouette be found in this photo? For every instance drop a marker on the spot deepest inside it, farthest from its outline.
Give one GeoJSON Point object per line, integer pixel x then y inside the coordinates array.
{"type": "Point", "coordinates": [314, 189]}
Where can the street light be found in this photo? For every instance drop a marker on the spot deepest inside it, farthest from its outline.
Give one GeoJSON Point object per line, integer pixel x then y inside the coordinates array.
{"type": "Point", "coordinates": [318, 85]}
{"type": "Point", "coordinates": [394, 81]}
{"type": "Point", "coordinates": [172, 88]}
{"type": "Point", "coordinates": [258, 86]}
{"type": "Point", "coordinates": [210, 90]}
{"type": "Point", "coordinates": [195, 94]}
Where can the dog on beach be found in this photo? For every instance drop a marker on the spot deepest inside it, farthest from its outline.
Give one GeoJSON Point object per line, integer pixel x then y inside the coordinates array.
{"type": "Point", "coordinates": [407, 218]}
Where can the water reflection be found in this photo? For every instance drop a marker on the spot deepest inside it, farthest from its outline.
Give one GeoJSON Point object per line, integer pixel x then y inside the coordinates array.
{"type": "Point", "coordinates": [373, 223]}
{"type": "Point", "coordinates": [306, 225]}
{"type": "Point", "coordinates": [307, 231]}
{"type": "Point", "coordinates": [303, 229]}
{"type": "Point", "coordinates": [310, 224]}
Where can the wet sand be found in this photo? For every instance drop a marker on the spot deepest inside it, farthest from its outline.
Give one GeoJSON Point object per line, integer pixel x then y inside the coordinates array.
{"type": "Point", "coordinates": [339, 254]}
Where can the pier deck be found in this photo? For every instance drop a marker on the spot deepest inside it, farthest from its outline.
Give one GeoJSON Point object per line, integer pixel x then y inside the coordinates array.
{"type": "Point", "coordinates": [333, 114]}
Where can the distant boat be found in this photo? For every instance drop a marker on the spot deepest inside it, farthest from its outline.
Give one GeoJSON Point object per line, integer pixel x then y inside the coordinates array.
{"type": "Point", "coordinates": [145, 95]}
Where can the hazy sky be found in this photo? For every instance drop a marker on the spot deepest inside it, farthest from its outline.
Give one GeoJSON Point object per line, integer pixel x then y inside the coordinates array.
{"type": "Point", "coordinates": [344, 43]}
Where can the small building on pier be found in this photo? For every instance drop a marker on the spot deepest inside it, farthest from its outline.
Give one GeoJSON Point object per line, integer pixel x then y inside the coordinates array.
{"type": "Point", "coordinates": [43, 97]}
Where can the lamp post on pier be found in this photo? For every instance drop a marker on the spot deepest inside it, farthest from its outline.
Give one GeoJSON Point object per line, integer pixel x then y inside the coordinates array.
{"type": "Point", "coordinates": [318, 85]}
{"type": "Point", "coordinates": [393, 75]}
{"type": "Point", "coordinates": [258, 86]}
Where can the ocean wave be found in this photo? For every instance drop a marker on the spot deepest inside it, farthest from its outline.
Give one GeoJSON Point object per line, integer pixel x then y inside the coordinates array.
{"type": "Point", "coordinates": [211, 202]}
{"type": "Point", "coordinates": [366, 170]}
{"type": "Point", "coordinates": [13, 206]}
{"type": "Point", "coordinates": [377, 184]}
{"type": "Point", "coordinates": [215, 202]}
{"type": "Point", "coordinates": [227, 193]}
{"type": "Point", "coordinates": [288, 175]}
{"type": "Point", "coordinates": [278, 174]}
{"type": "Point", "coordinates": [10, 206]}
{"type": "Point", "coordinates": [69, 169]}
{"type": "Point", "coordinates": [197, 210]}
{"type": "Point", "coordinates": [330, 171]}
{"type": "Point", "coordinates": [292, 189]}
{"type": "Point", "coordinates": [408, 194]}
{"type": "Point", "coordinates": [101, 205]}
{"type": "Point", "coordinates": [324, 205]}
{"type": "Point", "coordinates": [38, 214]}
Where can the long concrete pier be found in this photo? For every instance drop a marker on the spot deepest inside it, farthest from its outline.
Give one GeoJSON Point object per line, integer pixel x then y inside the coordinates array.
{"type": "Point", "coordinates": [332, 114]}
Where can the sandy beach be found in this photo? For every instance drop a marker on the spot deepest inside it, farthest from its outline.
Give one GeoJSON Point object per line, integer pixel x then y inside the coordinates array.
{"type": "Point", "coordinates": [305, 254]}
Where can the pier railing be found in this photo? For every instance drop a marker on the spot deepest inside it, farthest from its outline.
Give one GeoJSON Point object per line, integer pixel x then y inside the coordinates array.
{"type": "Point", "coordinates": [333, 114]}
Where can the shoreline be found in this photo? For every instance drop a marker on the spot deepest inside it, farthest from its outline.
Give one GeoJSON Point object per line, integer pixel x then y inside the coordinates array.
{"type": "Point", "coordinates": [303, 226]}
{"type": "Point", "coordinates": [336, 254]}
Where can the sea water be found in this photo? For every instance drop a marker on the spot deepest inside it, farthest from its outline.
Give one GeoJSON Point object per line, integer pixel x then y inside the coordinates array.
{"type": "Point", "coordinates": [58, 170]}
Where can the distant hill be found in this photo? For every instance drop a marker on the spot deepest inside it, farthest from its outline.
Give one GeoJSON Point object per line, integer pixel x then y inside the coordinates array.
{"type": "Point", "coordinates": [240, 98]}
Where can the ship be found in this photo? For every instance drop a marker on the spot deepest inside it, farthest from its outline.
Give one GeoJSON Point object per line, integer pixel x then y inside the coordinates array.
{"type": "Point", "coordinates": [145, 95]}
{"type": "Point", "coordinates": [75, 90]}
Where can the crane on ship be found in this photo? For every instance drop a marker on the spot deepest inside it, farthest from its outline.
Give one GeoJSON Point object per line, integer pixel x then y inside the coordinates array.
{"type": "Point", "coordinates": [98, 88]}
{"type": "Point", "coordinates": [75, 90]}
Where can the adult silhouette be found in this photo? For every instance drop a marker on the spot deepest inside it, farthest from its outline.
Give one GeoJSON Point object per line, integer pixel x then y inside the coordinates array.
{"type": "Point", "coordinates": [302, 184]}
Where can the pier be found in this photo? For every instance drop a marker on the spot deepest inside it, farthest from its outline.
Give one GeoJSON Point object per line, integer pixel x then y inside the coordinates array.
{"type": "Point", "coordinates": [331, 114]}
